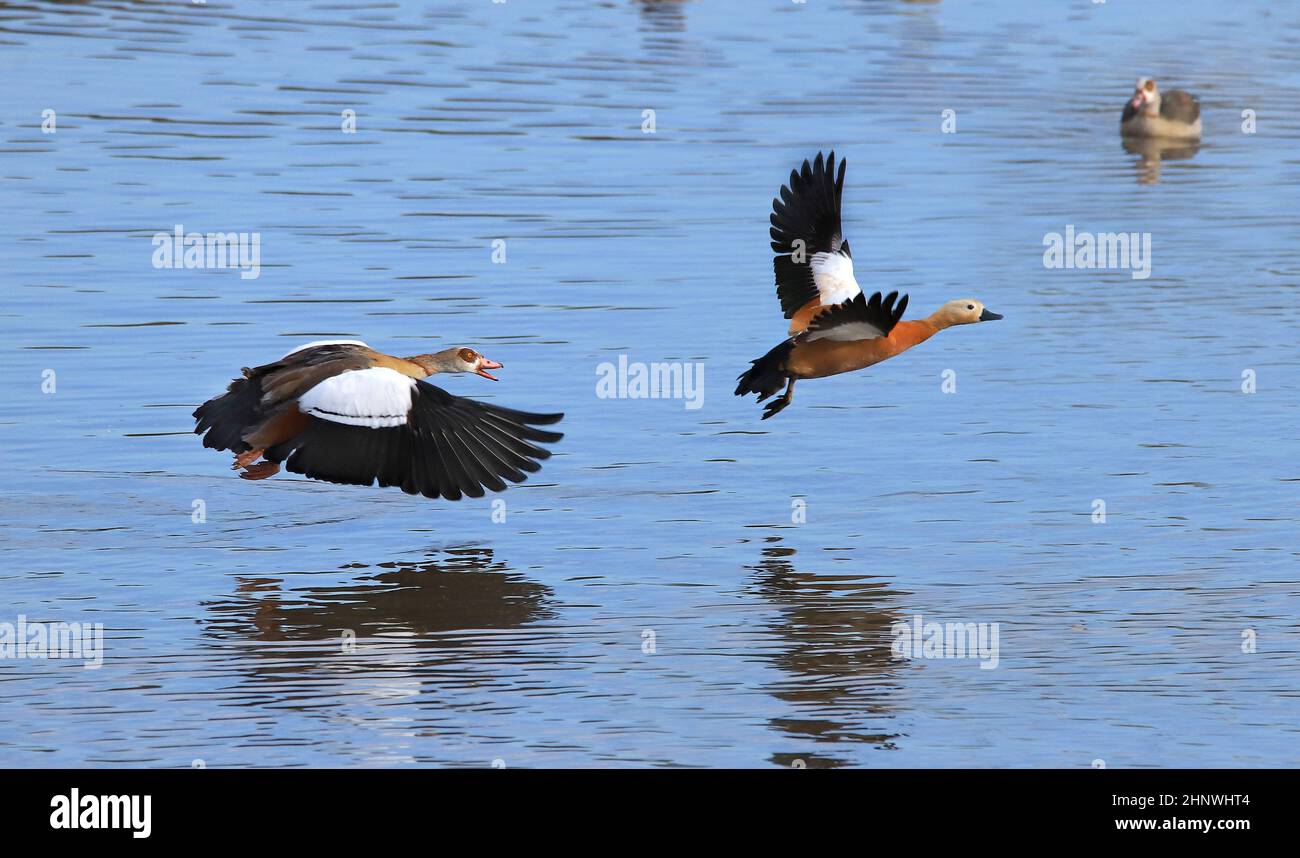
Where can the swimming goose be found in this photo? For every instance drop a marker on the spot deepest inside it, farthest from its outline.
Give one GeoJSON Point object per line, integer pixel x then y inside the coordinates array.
{"type": "Point", "coordinates": [834, 327]}
{"type": "Point", "coordinates": [337, 410]}
{"type": "Point", "coordinates": [1149, 113]}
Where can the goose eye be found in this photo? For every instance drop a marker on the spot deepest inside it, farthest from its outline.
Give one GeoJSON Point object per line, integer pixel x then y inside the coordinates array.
{"type": "Point", "coordinates": [468, 355]}
{"type": "Point", "coordinates": [970, 306]}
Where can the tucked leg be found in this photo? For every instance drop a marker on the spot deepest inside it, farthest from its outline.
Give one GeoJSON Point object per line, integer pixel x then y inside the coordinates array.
{"type": "Point", "coordinates": [776, 405]}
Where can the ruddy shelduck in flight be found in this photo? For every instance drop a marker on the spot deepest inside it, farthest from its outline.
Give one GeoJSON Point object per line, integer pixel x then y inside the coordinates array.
{"type": "Point", "coordinates": [834, 327]}
{"type": "Point", "coordinates": [339, 411]}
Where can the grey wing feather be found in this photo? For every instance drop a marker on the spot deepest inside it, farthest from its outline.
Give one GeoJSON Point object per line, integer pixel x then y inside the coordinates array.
{"type": "Point", "coordinates": [1180, 106]}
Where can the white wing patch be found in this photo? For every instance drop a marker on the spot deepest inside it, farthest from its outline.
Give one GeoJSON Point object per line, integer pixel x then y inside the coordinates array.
{"type": "Point", "coordinates": [374, 398]}
{"type": "Point", "coordinates": [840, 333]}
{"type": "Point", "coordinates": [316, 343]}
{"type": "Point", "coordinates": [833, 275]}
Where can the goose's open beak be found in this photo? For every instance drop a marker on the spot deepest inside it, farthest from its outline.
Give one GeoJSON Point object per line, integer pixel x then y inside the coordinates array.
{"type": "Point", "coordinates": [485, 365]}
{"type": "Point", "coordinates": [990, 316]}
{"type": "Point", "coordinates": [1138, 101]}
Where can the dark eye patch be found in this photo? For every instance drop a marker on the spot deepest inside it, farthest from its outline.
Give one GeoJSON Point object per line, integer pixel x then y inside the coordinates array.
{"type": "Point", "coordinates": [467, 355]}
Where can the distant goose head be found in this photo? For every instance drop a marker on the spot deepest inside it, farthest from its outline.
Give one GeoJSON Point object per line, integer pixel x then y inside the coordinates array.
{"type": "Point", "coordinates": [1146, 98]}
{"type": "Point", "coordinates": [963, 311]}
{"type": "Point", "coordinates": [457, 359]}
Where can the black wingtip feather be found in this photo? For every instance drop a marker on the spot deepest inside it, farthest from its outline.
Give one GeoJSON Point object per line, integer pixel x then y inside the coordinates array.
{"type": "Point", "coordinates": [880, 312]}
{"type": "Point", "coordinates": [805, 219]}
{"type": "Point", "coordinates": [450, 447]}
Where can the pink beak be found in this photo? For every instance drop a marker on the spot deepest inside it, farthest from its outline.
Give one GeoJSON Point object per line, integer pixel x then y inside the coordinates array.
{"type": "Point", "coordinates": [484, 365]}
{"type": "Point", "coordinates": [1138, 100]}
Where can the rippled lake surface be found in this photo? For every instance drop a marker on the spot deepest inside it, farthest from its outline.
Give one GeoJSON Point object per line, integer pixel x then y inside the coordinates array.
{"type": "Point", "coordinates": [678, 586]}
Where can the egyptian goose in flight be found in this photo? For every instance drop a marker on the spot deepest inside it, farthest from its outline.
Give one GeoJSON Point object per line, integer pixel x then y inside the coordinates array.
{"type": "Point", "coordinates": [834, 327]}
{"type": "Point", "coordinates": [1149, 113]}
{"type": "Point", "coordinates": [340, 411]}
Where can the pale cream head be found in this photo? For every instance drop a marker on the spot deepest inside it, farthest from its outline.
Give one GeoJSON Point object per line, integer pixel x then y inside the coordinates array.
{"type": "Point", "coordinates": [963, 311]}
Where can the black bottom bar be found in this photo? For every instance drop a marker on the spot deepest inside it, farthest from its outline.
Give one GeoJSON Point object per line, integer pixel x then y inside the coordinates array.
{"type": "Point", "coordinates": [300, 807]}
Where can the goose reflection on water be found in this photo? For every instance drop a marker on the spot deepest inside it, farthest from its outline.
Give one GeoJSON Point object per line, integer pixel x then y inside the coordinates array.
{"type": "Point", "coordinates": [664, 16]}
{"type": "Point", "coordinates": [410, 654]}
{"type": "Point", "coordinates": [463, 589]}
{"type": "Point", "coordinates": [1152, 151]}
{"type": "Point", "coordinates": [835, 655]}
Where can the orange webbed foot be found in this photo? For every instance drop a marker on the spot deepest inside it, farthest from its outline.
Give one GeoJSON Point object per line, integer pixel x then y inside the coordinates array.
{"type": "Point", "coordinates": [246, 458]}
{"type": "Point", "coordinates": [260, 471]}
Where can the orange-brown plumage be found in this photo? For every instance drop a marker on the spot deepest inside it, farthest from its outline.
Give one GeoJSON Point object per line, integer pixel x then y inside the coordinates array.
{"type": "Point", "coordinates": [833, 328]}
{"type": "Point", "coordinates": [820, 358]}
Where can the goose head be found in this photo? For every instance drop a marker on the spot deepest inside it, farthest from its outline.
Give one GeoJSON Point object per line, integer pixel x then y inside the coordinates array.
{"type": "Point", "coordinates": [964, 311]}
{"type": "Point", "coordinates": [456, 359]}
{"type": "Point", "coordinates": [1146, 97]}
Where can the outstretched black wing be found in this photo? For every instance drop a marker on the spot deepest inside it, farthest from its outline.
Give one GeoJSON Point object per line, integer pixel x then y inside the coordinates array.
{"type": "Point", "coordinates": [805, 221]}
{"type": "Point", "coordinates": [857, 319]}
{"type": "Point", "coordinates": [449, 446]}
